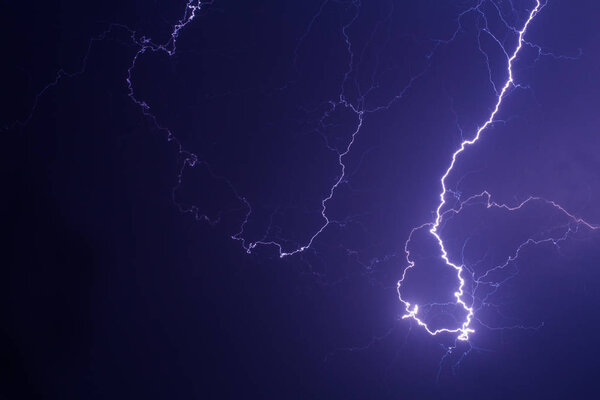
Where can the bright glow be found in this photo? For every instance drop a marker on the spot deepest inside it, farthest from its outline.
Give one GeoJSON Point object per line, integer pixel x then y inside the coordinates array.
{"type": "Point", "coordinates": [193, 8]}
{"type": "Point", "coordinates": [412, 310]}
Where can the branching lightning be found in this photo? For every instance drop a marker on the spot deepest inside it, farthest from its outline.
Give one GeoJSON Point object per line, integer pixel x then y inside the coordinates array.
{"type": "Point", "coordinates": [465, 329]}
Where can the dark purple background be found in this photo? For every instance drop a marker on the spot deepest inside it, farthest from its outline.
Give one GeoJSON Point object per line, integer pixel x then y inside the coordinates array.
{"type": "Point", "coordinates": [110, 292]}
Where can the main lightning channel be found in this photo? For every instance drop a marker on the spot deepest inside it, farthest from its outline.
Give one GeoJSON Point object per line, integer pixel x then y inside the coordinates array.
{"type": "Point", "coordinates": [412, 310]}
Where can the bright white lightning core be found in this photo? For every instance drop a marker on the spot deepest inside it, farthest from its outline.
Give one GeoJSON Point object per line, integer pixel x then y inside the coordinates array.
{"type": "Point", "coordinates": [193, 9]}
{"type": "Point", "coordinates": [412, 310]}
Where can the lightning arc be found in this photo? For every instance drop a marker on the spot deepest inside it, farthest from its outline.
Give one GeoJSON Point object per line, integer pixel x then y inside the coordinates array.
{"type": "Point", "coordinates": [412, 310]}
{"type": "Point", "coordinates": [193, 9]}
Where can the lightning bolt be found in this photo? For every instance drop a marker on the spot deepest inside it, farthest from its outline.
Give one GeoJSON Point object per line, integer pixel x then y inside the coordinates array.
{"type": "Point", "coordinates": [190, 159]}
{"type": "Point", "coordinates": [465, 329]}
{"type": "Point", "coordinates": [358, 109]}
{"type": "Point", "coordinates": [193, 9]}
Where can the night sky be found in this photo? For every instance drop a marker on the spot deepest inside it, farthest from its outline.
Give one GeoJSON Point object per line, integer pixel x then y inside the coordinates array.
{"type": "Point", "coordinates": [213, 200]}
